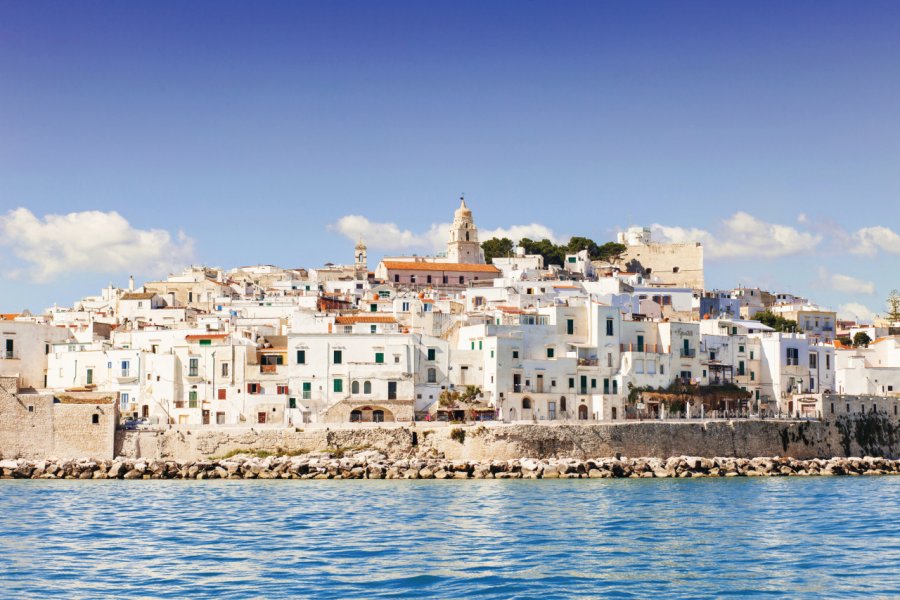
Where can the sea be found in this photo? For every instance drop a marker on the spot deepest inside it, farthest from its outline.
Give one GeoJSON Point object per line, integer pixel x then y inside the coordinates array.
{"type": "Point", "coordinates": [791, 537]}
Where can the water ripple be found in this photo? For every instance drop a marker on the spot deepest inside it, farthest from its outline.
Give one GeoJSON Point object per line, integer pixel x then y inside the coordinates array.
{"type": "Point", "coordinates": [793, 537]}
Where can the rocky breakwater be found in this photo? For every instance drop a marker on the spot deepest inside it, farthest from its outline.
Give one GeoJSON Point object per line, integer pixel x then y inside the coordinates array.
{"type": "Point", "coordinates": [375, 465]}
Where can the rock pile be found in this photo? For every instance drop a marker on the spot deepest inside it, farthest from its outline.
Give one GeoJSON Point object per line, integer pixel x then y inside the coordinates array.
{"type": "Point", "coordinates": [374, 465]}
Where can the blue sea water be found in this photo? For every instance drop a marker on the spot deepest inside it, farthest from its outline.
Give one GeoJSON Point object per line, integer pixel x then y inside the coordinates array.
{"type": "Point", "coordinates": [778, 537]}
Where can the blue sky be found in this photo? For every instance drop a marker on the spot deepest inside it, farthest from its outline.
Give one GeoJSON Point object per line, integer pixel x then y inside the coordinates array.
{"type": "Point", "coordinates": [235, 133]}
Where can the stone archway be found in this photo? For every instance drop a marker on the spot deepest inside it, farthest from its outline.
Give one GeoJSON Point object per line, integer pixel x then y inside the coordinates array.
{"type": "Point", "coordinates": [583, 412]}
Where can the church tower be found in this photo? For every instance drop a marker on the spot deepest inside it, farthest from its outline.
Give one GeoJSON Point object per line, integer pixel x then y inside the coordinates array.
{"type": "Point", "coordinates": [360, 262]}
{"type": "Point", "coordinates": [463, 246]}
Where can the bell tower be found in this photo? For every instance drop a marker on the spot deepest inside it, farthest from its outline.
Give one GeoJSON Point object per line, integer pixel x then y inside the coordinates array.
{"type": "Point", "coordinates": [360, 262]}
{"type": "Point", "coordinates": [463, 246]}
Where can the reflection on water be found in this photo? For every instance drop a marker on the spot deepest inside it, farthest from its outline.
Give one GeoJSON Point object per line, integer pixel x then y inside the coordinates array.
{"type": "Point", "coordinates": [488, 539]}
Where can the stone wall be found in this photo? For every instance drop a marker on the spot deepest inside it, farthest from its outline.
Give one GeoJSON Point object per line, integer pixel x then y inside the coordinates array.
{"type": "Point", "coordinates": [41, 426]}
{"type": "Point", "coordinates": [872, 434]}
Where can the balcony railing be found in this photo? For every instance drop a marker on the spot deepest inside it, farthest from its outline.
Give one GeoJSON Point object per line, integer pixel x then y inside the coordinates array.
{"type": "Point", "coordinates": [268, 368]}
{"type": "Point", "coordinates": [688, 353]}
{"type": "Point", "coordinates": [8, 354]}
{"type": "Point", "coordinates": [587, 362]}
{"type": "Point", "coordinates": [646, 348]}
{"type": "Point", "coordinates": [179, 404]}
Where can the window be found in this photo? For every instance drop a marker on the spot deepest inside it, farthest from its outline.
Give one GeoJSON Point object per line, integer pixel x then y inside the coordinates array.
{"type": "Point", "coordinates": [740, 367]}
{"type": "Point", "coordinates": [373, 308]}
{"type": "Point", "coordinates": [734, 331]}
{"type": "Point", "coordinates": [307, 390]}
{"type": "Point", "coordinates": [445, 279]}
{"type": "Point", "coordinates": [428, 279]}
{"type": "Point", "coordinates": [741, 348]}
{"type": "Point", "coordinates": [550, 352]}
{"type": "Point", "coordinates": [396, 359]}
{"type": "Point", "coordinates": [793, 356]}
{"type": "Point", "coordinates": [526, 403]}
{"type": "Point", "coordinates": [192, 399]}
{"type": "Point", "coordinates": [338, 385]}
{"type": "Point", "coordinates": [615, 386]}
{"type": "Point", "coordinates": [281, 390]}
{"type": "Point", "coordinates": [609, 326]}
{"type": "Point", "coordinates": [480, 344]}
{"type": "Point", "coordinates": [225, 369]}
{"type": "Point", "coordinates": [90, 376]}
{"type": "Point", "coordinates": [515, 354]}
{"type": "Point", "coordinates": [570, 326]}
{"type": "Point", "coordinates": [193, 367]}
{"type": "Point", "coordinates": [354, 387]}
{"type": "Point", "coordinates": [492, 354]}
{"type": "Point", "coordinates": [432, 375]}
{"type": "Point", "coordinates": [813, 360]}
{"type": "Point", "coordinates": [404, 306]}
{"type": "Point", "coordinates": [254, 388]}
{"type": "Point", "coordinates": [123, 398]}
{"type": "Point", "coordinates": [752, 375]}
{"type": "Point", "coordinates": [751, 355]}
{"type": "Point", "coordinates": [396, 279]}
{"type": "Point", "coordinates": [593, 384]}
{"type": "Point", "coordinates": [461, 279]}
{"type": "Point", "coordinates": [301, 357]}
{"type": "Point", "coordinates": [431, 353]}
{"type": "Point", "coordinates": [338, 357]}
{"type": "Point", "coordinates": [571, 383]}
{"type": "Point", "coordinates": [367, 387]}
{"type": "Point", "coordinates": [206, 342]}
{"type": "Point", "coordinates": [609, 359]}
{"type": "Point", "coordinates": [827, 362]}
{"type": "Point", "coordinates": [292, 403]}
{"type": "Point", "coordinates": [95, 419]}
{"type": "Point", "coordinates": [126, 366]}
{"type": "Point", "coordinates": [222, 394]}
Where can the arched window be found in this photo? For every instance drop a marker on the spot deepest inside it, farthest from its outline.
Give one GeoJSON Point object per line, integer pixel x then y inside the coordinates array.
{"type": "Point", "coordinates": [467, 236]}
{"type": "Point", "coordinates": [614, 413]}
{"type": "Point", "coordinates": [355, 416]}
{"type": "Point", "coordinates": [367, 387]}
{"type": "Point", "coordinates": [526, 403]}
{"type": "Point", "coordinates": [562, 404]}
{"type": "Point", "coordinates": [378, 416]}
{"type": "Point", "coordinates": [354, 387]}
{"type": "Point", "coordinates": [432, 375]}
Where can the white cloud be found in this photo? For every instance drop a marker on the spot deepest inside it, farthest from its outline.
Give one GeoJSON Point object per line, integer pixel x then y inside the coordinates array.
{"type": "Point", "coordinates": [869, 240]}
{"type": "Point", "coordinates": [743, 235]}
{"type": "Point", "coordinates": [389, 236]}
{"type": "Point", "coordinates": [854, 311]}
{"type": "Point", "coordinates": [847, 283]}
{"type": "Point", "coordinates": [89, 241]}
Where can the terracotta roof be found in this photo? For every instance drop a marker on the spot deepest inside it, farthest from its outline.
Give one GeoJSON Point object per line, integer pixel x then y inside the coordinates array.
{"type": "Point", "coordinates": [138, 296]}
{"type": "Point", "coordinates": [566, 287]}
{"type": "Point", "coordinates": [511, 310]}
{"type": "Point", "coordinates": [364, 319]}
{"type": "Point", "coordinates": [398, 265]}
{"type": "Point", "coordinates": [206, 336]}
{"type": "Point", "coordinates": [8, 316]}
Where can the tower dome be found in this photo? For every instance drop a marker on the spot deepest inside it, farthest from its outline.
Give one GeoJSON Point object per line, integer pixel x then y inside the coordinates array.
{"type": "Point", "coordinates": [463, 246]}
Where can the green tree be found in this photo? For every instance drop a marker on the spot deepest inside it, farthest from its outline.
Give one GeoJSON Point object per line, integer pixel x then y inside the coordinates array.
{"type": "Point", "coordinates": [776, 322]}
{"type": "Point", "coordinates": [893, 304]}
{"type": "Point", "coordinates": [861, 338]}
{"type": "Point", "coordinates": [611, 252]}
{"type": "Point", "coordinates": [496, 247]}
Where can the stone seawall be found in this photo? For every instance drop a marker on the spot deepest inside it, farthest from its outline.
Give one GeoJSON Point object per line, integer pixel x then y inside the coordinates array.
{"type": "Point", "coordinates": [860, 435]}
{"type": "Point", "coordinates": [374, 465]}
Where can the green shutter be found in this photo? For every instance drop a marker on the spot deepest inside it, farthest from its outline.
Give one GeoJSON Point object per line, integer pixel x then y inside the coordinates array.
{"type": "Point", "coordinates": [550, 352]}
{"type": "Point", "coordinates": [571, 382]}
{"type": "Point", "coordinates": [205, 342]}
{"type": "Point", "coordinates": [570, 326]}
{"type": "Point", "coordinates": [301, 357]}
{"type": "Point", "coordinates": [379, 358]}
{"type": "Point", "coordinates": [338, 385]}
{"type": "Point", "coordinates": [373, 308]}
{"type": "Point", "coordinates": [431, 354]}
{"type": "Point", "coordinates": [338, 355]}
{"type": "Point", "coordinates": [479, 344]}
{"type": "Point", "coordinates": [473, 344]}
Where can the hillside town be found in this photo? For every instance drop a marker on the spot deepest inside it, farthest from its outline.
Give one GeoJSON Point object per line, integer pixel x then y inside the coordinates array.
{"type": "Point", "coordinates": [631, 335]}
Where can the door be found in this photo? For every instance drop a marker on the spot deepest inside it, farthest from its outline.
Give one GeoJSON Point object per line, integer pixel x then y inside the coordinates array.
{"type": "Point", "coordinates": [551, 410]}
{"type": "Point", "coordinates": [90, 376]}
{"type": "Point", "coordinates": [260, 417]}
{"type": "Point", "coordinates": [640, 344]}
{"type": "Point", "coordinates": [392, 390]}
{"type": "Point", "coordinates": [206, 417]}
{"type": "Point", "coordinates": [145, 412]}
{"type": "Point", "coordinates": [583, 386]}
{"type": "Point", "coordinates": [582, 412]}
{"type": "Point", "coordinates": [517, 382]}
{"type": "Point", "coordinates": [540, 384]}
{"type": "Point", "coordinates": [307, 390]}
{"type": "Point", "coordinates": [686, 346]}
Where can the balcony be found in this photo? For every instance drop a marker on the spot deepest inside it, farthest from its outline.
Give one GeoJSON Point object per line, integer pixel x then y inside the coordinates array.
{"type": "Point", "coordinates": [645, 348]}
{"type": "Point", "coordinates": [270, 369]}
{"type": "Point", "coordinates": [588, 362]}
{"type": "Point", "coordinates": [688, 353]}
{"type": "Point", "coordinates": [126, 376]}
{"type": "Point", "coordinates": [9, 355]}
